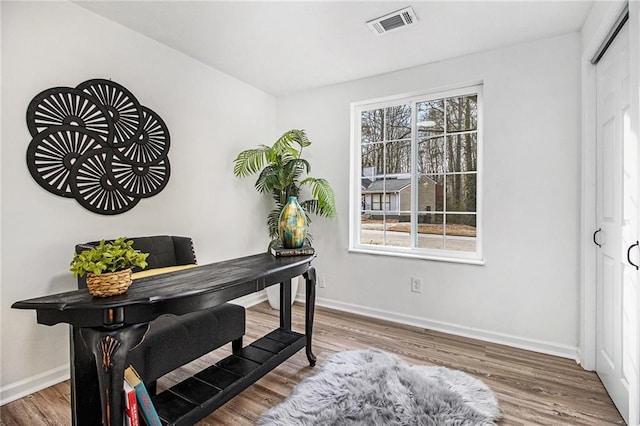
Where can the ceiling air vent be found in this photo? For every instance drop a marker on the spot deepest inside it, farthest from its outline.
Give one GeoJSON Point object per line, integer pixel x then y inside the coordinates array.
{"type": "Point", "coordinates": [392, 21]}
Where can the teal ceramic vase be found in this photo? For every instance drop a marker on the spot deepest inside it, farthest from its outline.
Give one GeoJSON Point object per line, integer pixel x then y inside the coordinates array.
{"type": "Point", "coordinates": [292, 224]}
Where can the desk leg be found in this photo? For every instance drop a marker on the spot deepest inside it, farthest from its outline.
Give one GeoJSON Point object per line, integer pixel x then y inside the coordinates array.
{"type": "Point", "coordinates": [110, 348]}
{"type": "Point", "coordinates": [310, 308]}
{"type": "Point", "coordinates": [285, 305]}
{"type": "Point", "coordinates": [85, 393]}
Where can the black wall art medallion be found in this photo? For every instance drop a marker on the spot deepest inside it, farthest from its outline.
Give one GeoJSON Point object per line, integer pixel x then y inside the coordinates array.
{"type": "Point", "coordinates": [96, 143]}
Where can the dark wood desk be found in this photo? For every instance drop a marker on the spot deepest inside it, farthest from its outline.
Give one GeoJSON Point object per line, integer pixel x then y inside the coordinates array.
{"type": "Point", "coordinates": [109, 327]}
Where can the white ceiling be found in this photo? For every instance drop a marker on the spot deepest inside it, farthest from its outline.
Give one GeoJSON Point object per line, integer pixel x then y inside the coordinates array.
{"type": "Point", "coordinates": [284, 47]}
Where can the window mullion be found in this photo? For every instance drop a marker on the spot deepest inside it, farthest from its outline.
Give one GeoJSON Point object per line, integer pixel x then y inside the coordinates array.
{"type": "Point", "coordinates": [446, 174]}
{"type": "Point", "coordinates": [414, 178]}
{"type": "Point", "coordinates": [385, 122]}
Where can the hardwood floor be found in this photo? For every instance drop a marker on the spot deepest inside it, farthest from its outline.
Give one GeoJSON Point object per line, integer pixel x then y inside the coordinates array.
{"type": "Point", "coordinates": [531, 388]}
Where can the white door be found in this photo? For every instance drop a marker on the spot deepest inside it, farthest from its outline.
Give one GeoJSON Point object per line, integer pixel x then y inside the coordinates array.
{"type": "Point", "coordinates": [617, 219]}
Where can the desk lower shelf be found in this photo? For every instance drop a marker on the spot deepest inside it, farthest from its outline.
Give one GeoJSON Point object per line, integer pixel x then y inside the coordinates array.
{"type": "Point", "coordinates": [195, 398]}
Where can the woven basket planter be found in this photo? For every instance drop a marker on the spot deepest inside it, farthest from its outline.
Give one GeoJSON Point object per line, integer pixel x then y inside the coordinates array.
{"type": "Point", "coordinates": [109, 283]}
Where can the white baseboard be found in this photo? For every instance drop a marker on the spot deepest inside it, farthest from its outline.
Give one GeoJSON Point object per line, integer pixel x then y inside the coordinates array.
{"type": "Point", "coordinates": [564, 351]}
{"type": "Point", "coordinates": [33, 384]}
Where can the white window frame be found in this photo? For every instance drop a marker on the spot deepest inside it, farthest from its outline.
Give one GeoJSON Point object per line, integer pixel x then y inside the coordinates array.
{"type": "Point", "coordinates": [357, 108]}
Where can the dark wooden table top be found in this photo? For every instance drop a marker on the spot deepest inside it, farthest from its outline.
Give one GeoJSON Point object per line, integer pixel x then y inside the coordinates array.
{"type": "Point", "coordinates": [175, 292]}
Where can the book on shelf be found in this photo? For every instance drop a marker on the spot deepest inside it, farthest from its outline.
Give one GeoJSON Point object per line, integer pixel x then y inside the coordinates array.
{"type": "Point", "coordinates": [301, 251]}
{"type": "Point", "coordinates": [131, 417]}
{"type": "Point", "coordinates": [149, 413]}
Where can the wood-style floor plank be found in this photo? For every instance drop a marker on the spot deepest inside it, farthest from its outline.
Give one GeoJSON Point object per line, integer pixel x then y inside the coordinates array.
{"type": "Point", "coordinates": [532, 388]}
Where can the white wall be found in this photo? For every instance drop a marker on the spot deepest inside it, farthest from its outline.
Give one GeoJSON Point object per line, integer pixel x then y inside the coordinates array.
{"type": "Point", "coordinates": [527, 293]}
{"type": "Point", "coordinates": [210, 116]}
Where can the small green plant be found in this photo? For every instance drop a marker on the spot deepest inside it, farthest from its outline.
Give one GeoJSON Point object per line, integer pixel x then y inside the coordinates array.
{"type": "Point", "coordinates": [108, 257]}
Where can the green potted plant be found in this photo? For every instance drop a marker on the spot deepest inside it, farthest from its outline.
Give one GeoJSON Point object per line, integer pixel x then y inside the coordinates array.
{"type": "Point", "coordinates": [108, 266]}
{"type": "Point", "coordinates": [283, 173]}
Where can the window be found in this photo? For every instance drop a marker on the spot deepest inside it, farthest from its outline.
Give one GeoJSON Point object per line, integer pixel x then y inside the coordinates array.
{"type": "Point", "coordinates": [376, 202]}
{"type": "Point", "coordinates": [417, 173]}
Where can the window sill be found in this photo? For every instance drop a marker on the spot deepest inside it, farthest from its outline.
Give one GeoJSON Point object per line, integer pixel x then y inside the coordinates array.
{"type": "Point", "coordinates": [416, 255]}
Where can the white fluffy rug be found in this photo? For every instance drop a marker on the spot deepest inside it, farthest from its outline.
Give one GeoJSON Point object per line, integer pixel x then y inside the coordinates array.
{"type": "Point", "coordinates": [373, 387]}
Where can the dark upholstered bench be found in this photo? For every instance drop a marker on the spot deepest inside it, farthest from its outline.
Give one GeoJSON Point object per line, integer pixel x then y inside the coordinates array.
{"type": "Point", "coordinates": [175, 340]}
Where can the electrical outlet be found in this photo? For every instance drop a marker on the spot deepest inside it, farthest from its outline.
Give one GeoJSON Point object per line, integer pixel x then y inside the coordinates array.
{"type": "Point", "coordinates": [322, 283]}
{"type": "Point", "coordinates": [416, 285]}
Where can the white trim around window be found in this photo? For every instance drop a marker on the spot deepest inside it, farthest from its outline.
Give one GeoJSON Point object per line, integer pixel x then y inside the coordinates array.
{"type": "Point", "coordinates": [448, 224]}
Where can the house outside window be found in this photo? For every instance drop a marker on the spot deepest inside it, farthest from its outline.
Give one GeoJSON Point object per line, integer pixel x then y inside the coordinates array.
{"type": "Point", "coordinates": [416, 164]}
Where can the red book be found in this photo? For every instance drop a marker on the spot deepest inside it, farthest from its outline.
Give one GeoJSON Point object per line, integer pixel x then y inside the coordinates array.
{"type": "Point", "coordinates": [131, 417]}
{"type": "Point", "coordinates": [147, 410]}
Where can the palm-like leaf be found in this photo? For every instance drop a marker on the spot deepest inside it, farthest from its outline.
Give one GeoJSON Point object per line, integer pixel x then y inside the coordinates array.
{"type": "Point", "coordinates": [323, 192]}
{"type": "Point", "coordinates": [250, 161]}
{"type": "Point", "coordinates": [310, 206]}
{"type": "Point", "coordinates": [293, 170]}
{"type": "Point", "coordinates": [288, 139]}
{"type": "Point", "coordinates": [272, 221]}
{"type": "Point", "coordinates": [268, 180]}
